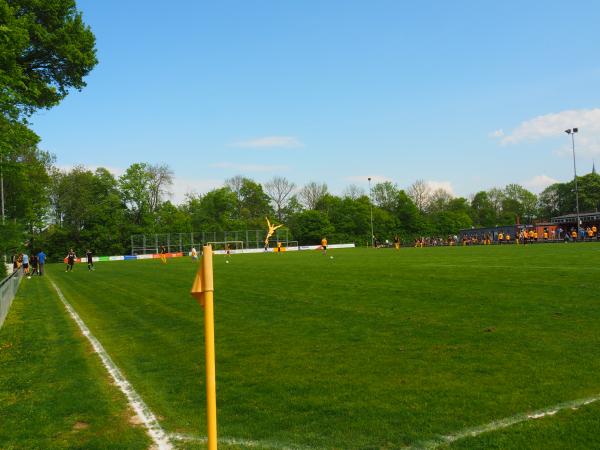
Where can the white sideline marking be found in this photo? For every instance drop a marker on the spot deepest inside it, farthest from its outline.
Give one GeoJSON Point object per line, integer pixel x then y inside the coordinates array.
{"type": "Point", "coordinates": [241, 442]}
{"type": "Point", "coordinates": [505, 423]}
{"type": "Point", "coordinates": [155, 431]}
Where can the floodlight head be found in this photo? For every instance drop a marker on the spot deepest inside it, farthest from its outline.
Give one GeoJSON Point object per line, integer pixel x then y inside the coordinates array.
{"type": "Point", "coordinates": [568, 131]}
{"type": "Point", "coordinates": [575, 130]}
{"type": "Point", "coordinates": [369, 178]}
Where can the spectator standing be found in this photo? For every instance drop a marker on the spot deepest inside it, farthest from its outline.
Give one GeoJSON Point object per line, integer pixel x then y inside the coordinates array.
{"type": "Point", "coordinates": [33, 261]}
{"type": "Point", "coordinates": [41, 261]}
{"type": "Point", "coordinates": [26, 264]}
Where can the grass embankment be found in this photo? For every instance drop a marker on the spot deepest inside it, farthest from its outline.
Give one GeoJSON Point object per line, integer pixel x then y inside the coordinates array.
{"type": "Point", "coordinates": [371, 349]}
{"type": "Point", "coordinates": [54, 393]}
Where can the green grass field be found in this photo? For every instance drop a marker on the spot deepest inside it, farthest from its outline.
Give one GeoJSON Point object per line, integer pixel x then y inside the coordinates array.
{"type": "Point", "coordinates": [374, 349]}
{"type": "Point", "coordinates": [54, 393]}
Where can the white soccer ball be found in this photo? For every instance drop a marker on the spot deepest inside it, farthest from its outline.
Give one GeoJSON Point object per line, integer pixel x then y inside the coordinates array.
{"type": "Point", "coordinates": [227, 262]}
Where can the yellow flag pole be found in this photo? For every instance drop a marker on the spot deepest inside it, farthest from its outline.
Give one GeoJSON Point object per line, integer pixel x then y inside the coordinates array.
{"type": "Point", "coordinates": [202, 290]}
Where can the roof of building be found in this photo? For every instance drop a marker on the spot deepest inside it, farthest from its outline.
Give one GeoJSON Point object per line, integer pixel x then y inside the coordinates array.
{"type": "Point", "coordinates": [587, 217]}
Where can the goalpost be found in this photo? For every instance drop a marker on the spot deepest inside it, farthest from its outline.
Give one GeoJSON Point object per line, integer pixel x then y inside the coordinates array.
{"type": "Point", "coordinates": [223, 246]}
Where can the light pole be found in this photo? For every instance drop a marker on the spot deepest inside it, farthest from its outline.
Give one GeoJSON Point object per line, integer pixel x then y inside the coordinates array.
{"type": "Point", "coordinates": [572, 132]}
{"type": "Point", "coordinates": [371, 204]}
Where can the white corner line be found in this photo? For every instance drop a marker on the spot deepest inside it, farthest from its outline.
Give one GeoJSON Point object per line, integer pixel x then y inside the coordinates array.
{"type": "Point", "coordinates": [158, 435]}
{"type": "Point", "coordinates": [245, 443]}
{"type": "Point", "coordinates": [504, 423]}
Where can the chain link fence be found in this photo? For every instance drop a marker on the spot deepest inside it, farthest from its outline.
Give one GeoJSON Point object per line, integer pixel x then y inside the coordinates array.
{"type": "Point", "coordinates": [8, 290]}
{"type": "Point", "coordinates": [143, 244]}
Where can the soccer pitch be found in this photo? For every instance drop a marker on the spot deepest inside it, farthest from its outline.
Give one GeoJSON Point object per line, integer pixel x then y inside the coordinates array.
{"type": "Point", "coordinates": [371, 349]}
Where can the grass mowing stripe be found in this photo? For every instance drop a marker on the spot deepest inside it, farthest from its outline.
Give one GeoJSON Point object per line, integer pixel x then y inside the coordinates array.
{"type": "Point", "coordinates": [373, 349]}
{"type": "Point", "coordinates": [149, 419]}
{"type": "Point", "coordinates": [505, 423]}
{"type": "Point", "coordinates": [54, 392]}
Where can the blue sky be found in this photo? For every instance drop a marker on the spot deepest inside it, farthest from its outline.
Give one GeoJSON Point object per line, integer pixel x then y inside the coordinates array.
{"type": "Point", "coordinates": [467, 95]}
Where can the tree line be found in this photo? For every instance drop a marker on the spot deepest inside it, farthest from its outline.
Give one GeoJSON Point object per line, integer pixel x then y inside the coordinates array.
{"type": "Point", "coordinates": [81, 208]}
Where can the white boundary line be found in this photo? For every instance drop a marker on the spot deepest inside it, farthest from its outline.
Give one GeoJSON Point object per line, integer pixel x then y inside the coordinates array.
{"type": "Point", "coordinates": [158, 435]}
{"type": "Point", "coordinates": [245, 443]}
{"type": "Point", "coordinates": [505, 423]}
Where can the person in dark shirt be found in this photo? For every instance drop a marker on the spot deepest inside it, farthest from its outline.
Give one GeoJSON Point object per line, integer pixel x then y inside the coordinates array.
{"type": "Point", "coordinates": [90, 261]}
{"type": "Point", "coordinates": [33, 259]}
{"type": "Point", "coordinates": [70, 260]}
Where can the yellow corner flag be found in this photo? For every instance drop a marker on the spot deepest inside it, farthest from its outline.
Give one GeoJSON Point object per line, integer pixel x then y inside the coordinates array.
{"type": "Point", "coordinates": [202, 290]}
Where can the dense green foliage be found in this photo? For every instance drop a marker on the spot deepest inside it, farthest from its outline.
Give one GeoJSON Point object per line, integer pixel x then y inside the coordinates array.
{"type": "Point", "coordinates": [83, 209]}
{"type": "Point", "coordinates": [45, 50]}
{"type": "Point", "coordinates": [371, 349]}
{"type": "Point", "coordinates": [54, 392]}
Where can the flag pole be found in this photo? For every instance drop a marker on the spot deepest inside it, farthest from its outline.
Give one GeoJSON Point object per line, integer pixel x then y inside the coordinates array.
{"type": "Point", "coordinates": [202, 290]}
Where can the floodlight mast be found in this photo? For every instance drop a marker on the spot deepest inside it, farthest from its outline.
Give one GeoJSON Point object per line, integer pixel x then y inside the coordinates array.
{"type": "Point", "coordinates": [371, 205]}
{"type": "Point", "coordinates": [572, 132]}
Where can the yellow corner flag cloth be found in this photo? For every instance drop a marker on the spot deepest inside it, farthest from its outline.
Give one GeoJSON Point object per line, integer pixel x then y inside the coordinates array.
{"type": "Point", "coordinates": [204, 276]}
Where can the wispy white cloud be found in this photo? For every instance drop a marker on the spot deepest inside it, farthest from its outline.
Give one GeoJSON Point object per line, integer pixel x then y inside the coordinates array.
{"type": "Point", "coordinates": [270, 142]}
{"type": "Point", "coordinates": [496, 134]}
{"type": "Point", "coordinates": [554, 125]}
{"type": "Point", "coordinates": [539, 183]}
{"type": "Point", "coordinates": [365, 178]}
{"type": "Point", "coordinates": [249, 167]}
{"type": "Point", "coordinates": [445, 185]}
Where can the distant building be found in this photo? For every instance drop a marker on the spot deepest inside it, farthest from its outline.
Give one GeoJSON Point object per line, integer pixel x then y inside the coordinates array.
{"type": "Point", "coordinates": [570, 220]}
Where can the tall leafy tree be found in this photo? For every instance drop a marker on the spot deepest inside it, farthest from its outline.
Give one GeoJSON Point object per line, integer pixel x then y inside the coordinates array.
{"type": "Point", "coordinates": [143, 187]}
{"type": "Point", "coordinates": [255, 203]}
{"type": "Point", "coordinates": [46, 50]}
{"type": "Point", "coordinates": [213, 211]}
{"type": "Point", "coordinates": [482, 210]}
{"type": "Point", "coordinates": [24, 169]}
{"type": "Point", "coordinates": [524, 203]}
{"type": "Point", "coordinates": [87, 212]}
{"type": "Point", "coordinates": [384, 194]}
{"type": "Point", "coordinates": [308, 227]}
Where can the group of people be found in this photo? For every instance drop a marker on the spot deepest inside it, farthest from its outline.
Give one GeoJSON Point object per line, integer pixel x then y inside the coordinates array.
{"type": "Point", "coordinates": [436, 241]}
{"type": "Point", "coordinates": [71, 258]}
{"type": "Point", "coordinates": [531, 235]}
{"type": "Point", "coordinates": [32, 264]}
